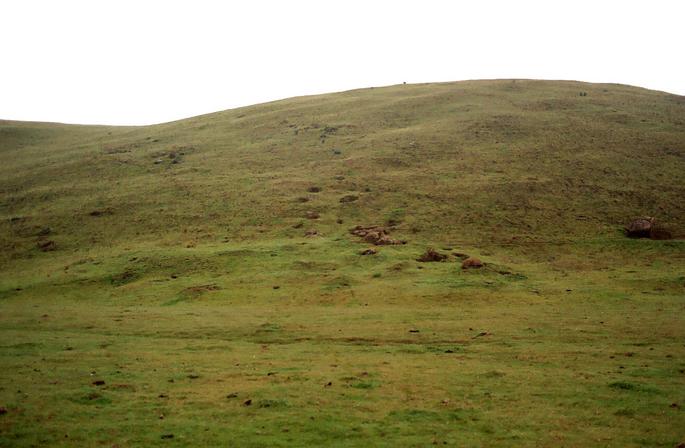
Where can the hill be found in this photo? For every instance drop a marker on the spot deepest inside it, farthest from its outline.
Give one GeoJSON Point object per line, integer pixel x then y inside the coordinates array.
{"type": "Point", "coordinates": [199, 264]}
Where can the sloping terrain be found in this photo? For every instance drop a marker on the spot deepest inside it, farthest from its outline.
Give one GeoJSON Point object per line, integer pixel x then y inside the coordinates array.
{"type": "Point", "coordinates": [197, 265]}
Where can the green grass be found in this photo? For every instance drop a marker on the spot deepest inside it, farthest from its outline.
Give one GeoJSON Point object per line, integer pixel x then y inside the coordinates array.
{"type": "Point", "coordinates": [190, 291]}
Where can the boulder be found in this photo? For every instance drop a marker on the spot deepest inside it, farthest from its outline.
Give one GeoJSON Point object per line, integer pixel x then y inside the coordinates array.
{"type": "Point", "coordinates": [640, 228]}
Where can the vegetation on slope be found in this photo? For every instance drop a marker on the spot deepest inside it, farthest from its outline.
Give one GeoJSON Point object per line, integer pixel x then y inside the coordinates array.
{"type": "Point", "coordinates": [180, 272]}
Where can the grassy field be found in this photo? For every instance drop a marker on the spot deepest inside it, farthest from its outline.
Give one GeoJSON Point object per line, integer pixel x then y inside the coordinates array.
{"type": "Point", "coordinates": [169, 285]}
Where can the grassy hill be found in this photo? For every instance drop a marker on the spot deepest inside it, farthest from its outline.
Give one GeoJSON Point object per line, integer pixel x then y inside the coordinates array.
{"type": "Point", "coordinates": [195, 265]}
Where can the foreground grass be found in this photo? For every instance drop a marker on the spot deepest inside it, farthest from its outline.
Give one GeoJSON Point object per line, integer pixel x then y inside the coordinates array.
{"type": "Point", "coordinates": [339, 356]}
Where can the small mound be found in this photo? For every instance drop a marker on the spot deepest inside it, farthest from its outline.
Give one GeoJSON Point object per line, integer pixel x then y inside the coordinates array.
{"type": "Point", "coordinates": [431, 255]}
{"type": "Point", "coordinates": [472, 263]}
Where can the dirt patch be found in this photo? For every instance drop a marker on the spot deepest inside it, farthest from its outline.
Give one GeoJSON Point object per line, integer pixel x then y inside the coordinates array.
{"type": "Point", "coordinates": [46, 245]}
{"type": "Point", "coordinates": [348, 198]}
{"type": "Point", "coordinates": [103, 212]}
{"type": "Point", "coordinates": [472, 263]}
{"type": "Point", "coordinates": [660, 234]}
{"type": "Point", "coordinates": [431, 255]}
{"type": "Point", "coordinates": [375, 235]}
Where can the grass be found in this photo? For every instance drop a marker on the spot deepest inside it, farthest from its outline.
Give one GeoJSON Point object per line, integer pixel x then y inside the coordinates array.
{"type": "Point", "coordinates": [212, 319]}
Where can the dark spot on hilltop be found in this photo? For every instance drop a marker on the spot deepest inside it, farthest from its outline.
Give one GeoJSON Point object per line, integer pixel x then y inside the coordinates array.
{"type": "Point", "coordinates": [311, 233]}
{"type": "Point", "coordinates": [339, 178]}
{"type": "Point", "coordinates": [314, 189]}
{"type": "Point", "coordinates": [44, 231]}
{"type": "Point", "coordinates": [162, 396]}
{"type": "Point", "coordinates": [348, 198]}
{"type": "Point", "coordinates": [339, 221]}
{"type": "Point", "coordinates": [298, 225]}
{"type": "Point", "coordinates": [414, 331]}
{"type": "Point", "coordinates": [247, 402]}
{"type": "Point", "coordinates": [431, 255]}
{"type": "Point", "coordinates": [46, 246]}
{"type": "Point", "coordinates": [472, 263]}
{"type": "Point", "coordinates": [481, 334]}
{"type": "Point", "coordinates": [193, 376]}
{"type": "Point", "coordinates": [312, 215]}
{"type": "Point", "coordinates": [449, 351]}
{"type": "Point", "coordinates": [369, 251]}
{"type": "Point", "coordinates": [674, 406]}
{"type": "Point", "coordinates": [3, 411]}
{"type": "Point", "coordinates": [328, 384]}
{"type": "Point", "coordinates": [98, 383]}
{"type": "Point", "coordinates": [167, 436]}
{"type": "Point", "coordinates": [276, 287]}
{"type": "Point", "coordinates": [232, 395]}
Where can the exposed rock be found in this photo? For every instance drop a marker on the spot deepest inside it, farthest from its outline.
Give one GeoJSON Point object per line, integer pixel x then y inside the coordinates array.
{"type": "Point", "coordinates": [647, 227]}
{"type": "Point", "coordinates": [431, 255]}
{"type": "Point", "coordinates": [640, 228]}
{"type": "Point", "coordinates": [472, 263]}
{"type": "Point", "coordinates": [375, 235]}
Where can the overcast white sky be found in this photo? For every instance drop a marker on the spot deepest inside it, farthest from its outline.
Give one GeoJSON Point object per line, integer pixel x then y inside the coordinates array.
{"type": "Point", "coordinates": [143, 62]}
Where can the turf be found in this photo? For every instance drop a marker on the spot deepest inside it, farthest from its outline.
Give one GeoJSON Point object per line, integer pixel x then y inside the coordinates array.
{"type": "Point", "coordinates": [184, 305]}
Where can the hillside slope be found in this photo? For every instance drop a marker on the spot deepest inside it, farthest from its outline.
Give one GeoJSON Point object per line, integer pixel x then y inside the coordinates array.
{"type": "Point", "coordinates": [477, 161]}
{"type": "Point", "coordinates": [196, 283]}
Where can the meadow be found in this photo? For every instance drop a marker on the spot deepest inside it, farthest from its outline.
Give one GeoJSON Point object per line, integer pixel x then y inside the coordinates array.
{"type": "Point", "coordinates": [196, 283]}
